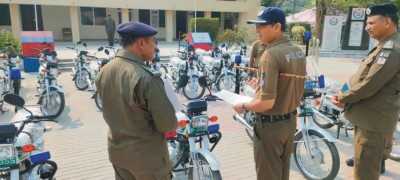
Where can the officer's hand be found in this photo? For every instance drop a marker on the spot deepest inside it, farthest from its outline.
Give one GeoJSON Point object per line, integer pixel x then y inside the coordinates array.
{"type": "Point", "coordinates": [238, 108]}
{"type": "Point", "coordinates": [336, 102]}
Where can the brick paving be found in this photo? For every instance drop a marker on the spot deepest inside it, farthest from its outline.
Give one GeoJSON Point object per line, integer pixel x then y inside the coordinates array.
{"type": "Point", "coordinates": [78, 141]}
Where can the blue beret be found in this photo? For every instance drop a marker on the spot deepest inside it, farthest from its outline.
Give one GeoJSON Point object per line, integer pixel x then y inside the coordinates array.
{"type": "Point", "coordinates": [381, 9]}
{"type": "Point", "coordinates": [134, 29]}
{"type": "Point", "coordinates": [269, 15]}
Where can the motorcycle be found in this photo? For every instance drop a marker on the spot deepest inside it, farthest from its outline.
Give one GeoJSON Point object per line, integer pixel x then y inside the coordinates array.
{"type": "Point", "coordinates": [95, 67]}
{"type": "Point", "coordinates": [314, 149]}
{"type": "Point", "coordinates": [184, 75]}
{"type": "Point", "coordinates": [217, 71]}
{"type": "Point", "coordinates": [13, 72]}
{"type": "Point", "coordinates": [22, 152]}
{"type": "Point", "coordinates": [395, 153]}
{"type": "Point", "coordinates": [80, 72]}
{"type": "Point", "coordinates": [326, 115]}
{"type": "Point", "coordinates": [51, 95]}
{"type": "Point", "coordinates": [156, 65]}
{"type": "Point", "coordinates": [197, 161]}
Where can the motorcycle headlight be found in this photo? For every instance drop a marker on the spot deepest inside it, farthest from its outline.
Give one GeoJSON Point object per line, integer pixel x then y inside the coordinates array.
{"type": "Point", "coordinates": [216, 63]}
{"type": "Point", "coordinates": [199, 121]}
{"type": "Point", "coordinates": [6, 151]}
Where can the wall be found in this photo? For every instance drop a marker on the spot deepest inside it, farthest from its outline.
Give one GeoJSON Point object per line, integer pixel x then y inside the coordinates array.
{"type": "Point", "coordinates": [56, 23]}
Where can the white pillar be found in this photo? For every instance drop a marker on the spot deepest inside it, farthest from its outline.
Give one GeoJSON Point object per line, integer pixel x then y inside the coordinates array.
{"type": "Point", "coordinates": [125, 15]}
{"type": "Point", "coordinates": [169, 25]}
{"type": "Point", "coordinates": [74, 23]}
{"type": "Point", "coordinates": [16, 27]}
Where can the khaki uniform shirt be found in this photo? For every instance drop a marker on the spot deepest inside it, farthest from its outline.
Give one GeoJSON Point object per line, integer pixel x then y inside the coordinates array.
{"type": "Point", "coordinates": [281, 56]}
{"type": "Point", "coordinates": [373, 101]}
{"type": "Point", "coordinates": [256, 51]}
{"type": "Point", "coordinates": [138, 113]}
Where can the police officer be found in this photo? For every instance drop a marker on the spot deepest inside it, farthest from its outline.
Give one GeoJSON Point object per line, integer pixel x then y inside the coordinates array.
{"type": "Point", "coordinates": [372, 102]}
{"type": "Point", "coordinates": [110, 29]}
{"type": "Point", "coordinates": [256, 51]}
{"type": "Point", "coordinates": [136, 108]}
{"type": "Point", "coordinates": [276, 98]}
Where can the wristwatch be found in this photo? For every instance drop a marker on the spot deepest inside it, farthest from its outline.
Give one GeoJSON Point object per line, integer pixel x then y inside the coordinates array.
{"type": "Point", "coordinates": [243, 108]}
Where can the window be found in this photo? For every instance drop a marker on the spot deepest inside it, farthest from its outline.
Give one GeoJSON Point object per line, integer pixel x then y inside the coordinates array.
{"type": "Point", "coordinates": [130, 14]}
{"type": "Point", "coordinates": [93, 16]}
{"type": "Point", "coordinates": [5, 19]}
{"type": "Point", "coordinates": [162, 18]}
{"type": "Point", "coordinates": [144, 16]}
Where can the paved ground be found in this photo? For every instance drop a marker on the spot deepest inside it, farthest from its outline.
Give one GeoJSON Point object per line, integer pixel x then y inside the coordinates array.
{"type": "Point", "coordinates": [78, 141]}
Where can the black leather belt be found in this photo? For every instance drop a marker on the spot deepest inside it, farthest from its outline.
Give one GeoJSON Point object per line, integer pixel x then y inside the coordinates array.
{"type": "Point", "coordinates": [275, 118]}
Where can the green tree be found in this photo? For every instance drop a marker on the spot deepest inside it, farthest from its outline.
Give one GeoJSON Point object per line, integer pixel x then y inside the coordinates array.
{"type": "Point", "coordinates": [272, 3]}
{"type": "Point", "coordinates": [7, 37]}
{"type": "Point", "coordinates": [210, 25]}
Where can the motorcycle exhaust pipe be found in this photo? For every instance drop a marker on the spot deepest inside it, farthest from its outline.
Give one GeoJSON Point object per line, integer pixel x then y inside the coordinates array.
{"type": "Point", "coordinates": [242, 121]}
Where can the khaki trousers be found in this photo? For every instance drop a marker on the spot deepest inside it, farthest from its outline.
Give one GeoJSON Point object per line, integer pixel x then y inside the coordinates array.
{"type": "Point", "coordinates": [369, 150]}
{"type": "Point", "coordinates": [273, 145]}
{"type": "Point", "coordinates": [124, 174]}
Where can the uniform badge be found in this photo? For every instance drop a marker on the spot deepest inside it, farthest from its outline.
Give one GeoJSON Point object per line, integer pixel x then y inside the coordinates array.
{"type": "Point", "coordinates": [368, 11]}
{"type": "Point", "coordinates": [389, 45]}
{"type": "Point", "coordinates": [381, 60]}
{"type": "Point", "coordinates": [260, 12]}
{"type": "Point", "coordinates": [385, 53]}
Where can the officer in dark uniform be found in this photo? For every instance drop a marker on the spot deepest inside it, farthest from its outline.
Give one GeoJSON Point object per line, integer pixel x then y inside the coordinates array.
{"type": "Point", "coordinates": [372, 101]}
{"type": "Point", "coordinates": [136, 108]}
{"type": "Point", "coordinates": [276, 98]}
{"type": "Point", "coordinates": [110, 29]}
{"type": "Point", "coordinates": [257, 50]}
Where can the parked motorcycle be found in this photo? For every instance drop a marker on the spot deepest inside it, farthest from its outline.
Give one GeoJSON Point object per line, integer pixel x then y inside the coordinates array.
{"type": "Point", "coordinates": [80, 70]}
{"type": "Point", "coordinates": [216, 69]}
{"type": "Point", "coordinates": [184, 74]}
{"type": "Point", "coordinates": [13, 73]}
{"type": "Point", "coordinates": [197, 161]}
{"type": "Point", "coordinates": [51, 95]}
{"type": "Point", "coordinates": [22, 152]}
{"type": "Point", "coordinates": [156, 65]}
{"type": "Point", "coordinates": [314, 150]}
{"type": "Point", "coordinates": [395, 153]}
{"type": "Point", "coordinates": [327, 114]}
{"type": "Point", "coordinates": [3, 86]}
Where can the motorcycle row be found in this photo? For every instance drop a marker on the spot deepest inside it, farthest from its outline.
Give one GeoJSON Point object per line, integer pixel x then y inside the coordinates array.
{"type": "Point", "coordinates": [191, 71]}
{"type": "Point", "coordinates": [22, 152]}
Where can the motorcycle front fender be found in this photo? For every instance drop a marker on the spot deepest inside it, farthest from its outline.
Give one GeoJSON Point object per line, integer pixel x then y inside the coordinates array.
{"type": "Point", "coordinates": [211, 159]}
{"type": "Point", "coordinates": [222, 74]}
{"type": "Point", "coordinates": [59, 89]}
{"type": "Point", "coordinates": [327, 136]}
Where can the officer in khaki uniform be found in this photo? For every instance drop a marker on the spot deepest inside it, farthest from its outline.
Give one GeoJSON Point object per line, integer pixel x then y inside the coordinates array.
{"type": "Point", "coordinates": [276, 97]}
{"type": "Point", "coordinates": [372, 102]}
{"type": "Point", "coordinates": [257, 50]}
{"type": "Point", "coordinates": [136, 108]}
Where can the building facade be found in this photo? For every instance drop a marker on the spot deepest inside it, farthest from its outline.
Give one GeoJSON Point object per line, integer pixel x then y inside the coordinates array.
{"type": "Point", "coordinates": [72, 20]}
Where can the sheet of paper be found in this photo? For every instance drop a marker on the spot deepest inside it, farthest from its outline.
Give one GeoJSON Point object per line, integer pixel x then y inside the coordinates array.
{"type": "Point", "coordinates": [232, 98]}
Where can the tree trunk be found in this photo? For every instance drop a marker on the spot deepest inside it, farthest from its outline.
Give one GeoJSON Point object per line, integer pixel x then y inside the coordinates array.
{"type": "Point", "coordinates": [321, 11]}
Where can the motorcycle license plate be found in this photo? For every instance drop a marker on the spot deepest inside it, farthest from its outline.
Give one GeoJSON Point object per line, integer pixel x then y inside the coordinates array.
{"type": "Point", "coordinates": [8, 162]}
{"type": "Point", "coordinates": [53, 70]}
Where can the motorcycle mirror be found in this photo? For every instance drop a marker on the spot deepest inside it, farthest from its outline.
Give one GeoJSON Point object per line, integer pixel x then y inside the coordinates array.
{"type": "Point", "coordinates": [14, 100]}
{"type": "Point", "coordinates": [107, 52]}
{"type": "Point", "coordinates": [84, 44]}
{"type": "Point", "coordinates": [100, 48]}
{"type": "Point", "coordinates": [54, 53]}
{"type": "Point", "coordinates": [79, 42]}
{"type": "Point", "coordinates": [202, 81]}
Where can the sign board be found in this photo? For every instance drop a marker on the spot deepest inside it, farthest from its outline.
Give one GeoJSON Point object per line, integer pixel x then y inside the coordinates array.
{"type": "Point", "coordinates": [200, 40]}
{"type": "Point", "coordinates": [355, 37]}
{"type": "Point", "coordinates": [332, 32]}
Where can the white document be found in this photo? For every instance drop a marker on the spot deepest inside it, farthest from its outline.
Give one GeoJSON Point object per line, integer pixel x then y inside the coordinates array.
{"type": "Point", "coordinates": [232, 98]}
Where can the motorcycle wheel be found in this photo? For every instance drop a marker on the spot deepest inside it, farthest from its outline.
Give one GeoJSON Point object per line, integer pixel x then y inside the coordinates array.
{"type": "Point", "coordinates": [324, 162]}
{"type": "Point", "coordinates": [395, 153]}
{"type": "Point", "coordinates": [193, 90]}
{"type": "Point", "coordinates": [205, 171]}
{"type": "Point", "coordinates": [58, 102]}
{"type": "Point", "coordinates": [228, 83]}
{"type": "Point", "coordinates": [97, 100]}
{"type": "Point", "coordinates": [177, 152]}
{"type": "Point", "coordinates": [163, 71]}
{"type": "Point", "coordinates": [321, 121]}
{"type": "Point", "coordinates": [81, 82]}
